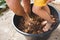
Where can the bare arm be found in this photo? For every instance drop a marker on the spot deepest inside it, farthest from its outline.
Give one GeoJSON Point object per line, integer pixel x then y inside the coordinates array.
{"type": "Point", "coordinates": [16, 7]}
{"type": "Point", "coordinates": [26, 6]}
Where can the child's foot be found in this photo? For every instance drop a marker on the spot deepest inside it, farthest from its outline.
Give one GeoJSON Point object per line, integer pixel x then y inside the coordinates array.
{"type": "Point", "coordinates": [47, 27]}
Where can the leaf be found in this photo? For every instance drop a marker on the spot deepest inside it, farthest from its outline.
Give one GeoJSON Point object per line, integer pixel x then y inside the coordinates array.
{"type": "Point", "coordinates": [2, 4]}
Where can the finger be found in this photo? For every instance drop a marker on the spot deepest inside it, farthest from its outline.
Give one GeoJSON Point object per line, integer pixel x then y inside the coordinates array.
{"type": "Point", "coordinates": [44, 22]}
{"type": "Point", "coordinates": [51, 16]}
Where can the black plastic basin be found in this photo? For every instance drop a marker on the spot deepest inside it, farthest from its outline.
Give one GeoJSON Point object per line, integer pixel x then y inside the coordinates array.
{"type": "Point", "coordinates": [43, 36]}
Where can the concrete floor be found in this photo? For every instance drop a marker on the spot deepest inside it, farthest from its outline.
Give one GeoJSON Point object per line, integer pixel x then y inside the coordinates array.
{"type": "Point", "coordinates": [7, 32]}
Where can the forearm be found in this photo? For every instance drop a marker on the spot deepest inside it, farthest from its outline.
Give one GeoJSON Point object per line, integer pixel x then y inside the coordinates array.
{"type": "Point", "coordinates": [26, 6]}
{"type": "Point", "coordinates": [16, 7]}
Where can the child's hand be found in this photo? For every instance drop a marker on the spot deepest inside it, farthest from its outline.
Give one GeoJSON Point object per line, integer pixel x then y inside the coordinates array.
{"type": "Point", "coordinates": [48, 1]}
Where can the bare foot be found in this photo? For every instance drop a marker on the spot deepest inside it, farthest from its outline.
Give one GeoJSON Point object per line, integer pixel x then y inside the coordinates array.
{"type": "Point", "coordinates": [47, 27]}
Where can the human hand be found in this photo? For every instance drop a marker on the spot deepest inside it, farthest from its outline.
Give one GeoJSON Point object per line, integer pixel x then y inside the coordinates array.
{"type": "Point", "coordinates": [48, 1]}
{"type": "Point", "coordinates": [28, 22]}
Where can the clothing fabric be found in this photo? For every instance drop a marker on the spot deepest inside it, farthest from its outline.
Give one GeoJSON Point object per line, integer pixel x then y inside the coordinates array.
{"type": "Point", "coordinates": [40, 3]}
